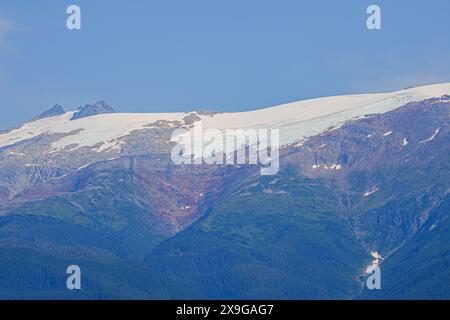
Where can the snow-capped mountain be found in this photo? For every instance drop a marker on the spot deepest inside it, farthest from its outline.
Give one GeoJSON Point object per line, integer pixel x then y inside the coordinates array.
{"type": "Point", "coordinates": [358, 174]}
{"type": "Point", "coordinates": [297, 120]}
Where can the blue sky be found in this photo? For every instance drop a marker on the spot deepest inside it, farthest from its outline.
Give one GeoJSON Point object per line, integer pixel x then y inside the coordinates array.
{"type": "Point", "coordinates": [146, 55]}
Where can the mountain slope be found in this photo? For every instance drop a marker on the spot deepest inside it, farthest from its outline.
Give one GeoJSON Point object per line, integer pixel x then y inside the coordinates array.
{"type": "Point", "coordinates": [357, 174]}
{"type": "Point", "coordinates": [421, 268]}
{"type": "Point", "coordinates": [277, 238]}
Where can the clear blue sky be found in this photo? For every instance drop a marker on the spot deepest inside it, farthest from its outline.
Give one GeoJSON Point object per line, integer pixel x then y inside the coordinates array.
{"type": "Point", "coordinates": [147, 55]}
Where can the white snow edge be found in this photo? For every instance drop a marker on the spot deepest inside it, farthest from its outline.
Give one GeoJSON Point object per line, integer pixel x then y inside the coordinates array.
{"type": "Point", "coordinates": [296, 121]}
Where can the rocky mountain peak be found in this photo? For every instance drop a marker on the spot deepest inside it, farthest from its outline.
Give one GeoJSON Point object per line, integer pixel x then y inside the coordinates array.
{"type": "Point", "coordinates": [56, 110]}
{"type": "Point", "coordinates": [99, 107]}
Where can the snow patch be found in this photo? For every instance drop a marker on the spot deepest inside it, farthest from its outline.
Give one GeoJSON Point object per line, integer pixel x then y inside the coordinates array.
{"type": "Point", "coordinates": [327, 167]}
{"type": "Point", "coordinates": [432, 137]}
{"type": "Point", "coordinates": [13, 153]}
{"type": "Point", "coordinates": [405, 142]}
{"type": "Point", "coordinates": [375, 263]}
{"type": "Point", "coordinates": [371, 192]}
{"type": "Point", "coordinates": [85, 166]}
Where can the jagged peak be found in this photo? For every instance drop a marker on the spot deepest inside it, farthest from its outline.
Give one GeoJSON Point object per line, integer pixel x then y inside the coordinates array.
{"type": "Point", "coordinates": [99, 107]}
{"type": "Point", "coordinates": [56, 110]}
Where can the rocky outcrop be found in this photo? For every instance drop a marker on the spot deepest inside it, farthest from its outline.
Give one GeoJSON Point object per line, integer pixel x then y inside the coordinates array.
{"type": "Point", "coordinates": [100, 107]}
{"type": "Point", "coordinates": [56, 110]}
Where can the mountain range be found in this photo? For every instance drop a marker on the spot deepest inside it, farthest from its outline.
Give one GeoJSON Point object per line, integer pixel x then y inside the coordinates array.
{"type": "Point", "coordinates": [358, 174]}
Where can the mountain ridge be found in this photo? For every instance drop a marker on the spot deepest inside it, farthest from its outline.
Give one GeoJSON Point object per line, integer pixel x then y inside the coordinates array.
{"type": "Point", "coordinates": [293, 117]}
{"type": "Point", "coordinates": [224, 231]}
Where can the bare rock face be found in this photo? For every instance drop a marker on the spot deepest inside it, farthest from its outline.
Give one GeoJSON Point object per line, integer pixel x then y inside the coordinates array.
{"type": "Point", "coordinates": [56, 110]}
{"type": "Point", "coordinates": [100, 107]}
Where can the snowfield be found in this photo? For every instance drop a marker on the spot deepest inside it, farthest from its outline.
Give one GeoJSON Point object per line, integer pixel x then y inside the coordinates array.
{"type": "Point", "coordinates": [296, 121]}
